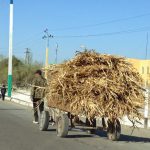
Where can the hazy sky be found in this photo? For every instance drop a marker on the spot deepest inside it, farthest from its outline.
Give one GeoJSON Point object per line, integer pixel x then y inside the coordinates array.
{"type": "Point", "coordinates": [117, 27]}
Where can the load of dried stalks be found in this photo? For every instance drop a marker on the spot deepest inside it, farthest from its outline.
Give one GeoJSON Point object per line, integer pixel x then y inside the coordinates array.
{"type": "Point", "coordinates": [95, 85]}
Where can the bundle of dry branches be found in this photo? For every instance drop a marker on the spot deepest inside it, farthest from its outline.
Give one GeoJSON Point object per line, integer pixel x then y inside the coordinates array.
{"type": "Point", "coordinates": [96, 85]}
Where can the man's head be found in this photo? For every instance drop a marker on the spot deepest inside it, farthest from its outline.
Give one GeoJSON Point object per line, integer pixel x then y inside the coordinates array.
{"type": "Point", "coordinates": [38, 73]}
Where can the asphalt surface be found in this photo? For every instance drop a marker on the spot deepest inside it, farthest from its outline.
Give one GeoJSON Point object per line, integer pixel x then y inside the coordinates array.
{"type": "Point", "coordinates": [18, 133]}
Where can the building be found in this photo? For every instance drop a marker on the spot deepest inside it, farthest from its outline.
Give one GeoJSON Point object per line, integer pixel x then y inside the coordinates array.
{"type": "Point", "coordinates": [143, 67]}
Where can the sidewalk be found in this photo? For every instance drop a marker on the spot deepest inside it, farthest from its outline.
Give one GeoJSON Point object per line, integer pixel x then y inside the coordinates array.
{"type": "Point", "coordinates": [23, 97]}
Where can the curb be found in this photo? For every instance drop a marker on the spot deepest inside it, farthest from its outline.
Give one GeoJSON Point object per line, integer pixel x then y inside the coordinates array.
{"type": "Point", "coordinates": [18, 101]}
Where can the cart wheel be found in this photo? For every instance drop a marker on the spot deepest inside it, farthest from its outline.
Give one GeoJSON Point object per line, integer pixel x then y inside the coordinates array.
{"type": "Point", "coordinates": [62, 125]}
{"type": "Point", "coordinates": [44, 120]}
{"type": "Point", "coordinates": [114, 130]}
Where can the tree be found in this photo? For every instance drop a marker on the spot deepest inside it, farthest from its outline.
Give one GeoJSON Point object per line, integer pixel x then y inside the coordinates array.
{"type": "Point", "coordinates": [22, 73]}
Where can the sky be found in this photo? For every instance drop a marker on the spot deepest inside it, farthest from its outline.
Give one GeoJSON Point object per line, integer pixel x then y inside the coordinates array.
{"type": "Point", "coordinates": [117, 27]}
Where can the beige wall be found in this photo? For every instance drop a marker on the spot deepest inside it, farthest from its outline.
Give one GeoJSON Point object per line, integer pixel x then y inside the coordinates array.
{"type": "Point", "coordinates": [143, 66]}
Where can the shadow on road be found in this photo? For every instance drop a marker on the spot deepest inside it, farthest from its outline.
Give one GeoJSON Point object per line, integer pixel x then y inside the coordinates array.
{"type": "Point", "coordinates": [79, 136]}
{"type": "Point", "coordinates": [126, 138]}
{"type": "Point", "coordinates": [73, 135]}
{"type": "Point", "coordinates": [103, 134]}
{"type": "Point", "coordinates": [51, 130]}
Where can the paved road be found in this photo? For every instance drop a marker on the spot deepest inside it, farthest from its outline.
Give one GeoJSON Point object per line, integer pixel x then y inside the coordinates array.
{"type": "Point", "coordinates": [18, 133]}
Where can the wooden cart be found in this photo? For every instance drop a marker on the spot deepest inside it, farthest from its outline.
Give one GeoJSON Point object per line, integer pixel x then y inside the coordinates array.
{"type": "Point", "coordinates": [62, 121]}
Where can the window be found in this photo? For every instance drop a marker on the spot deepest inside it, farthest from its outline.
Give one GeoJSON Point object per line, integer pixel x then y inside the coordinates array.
{"type": "Point", "coordinates": [147, 70]}
{"type": "Point", "coordinates": [142, 70]}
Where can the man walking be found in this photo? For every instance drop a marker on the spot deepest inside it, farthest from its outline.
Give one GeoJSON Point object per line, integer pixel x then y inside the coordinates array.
{"type": "Point", "coordinates": [37, 94]}
{"type": "Point", "coordinates": [3, 92]}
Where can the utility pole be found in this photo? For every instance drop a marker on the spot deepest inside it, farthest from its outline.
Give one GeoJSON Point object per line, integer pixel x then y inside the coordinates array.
{"type": "Point", "coordinates": [47, 36]}
{"type": "Point", "coordinates": [146, 88]}
{"type": "Point", "coordinates": [10, 49]}
{"type": "Point", "coordinates": [27, 56]}
{"type": "Point", "coordinates": [56, 53]}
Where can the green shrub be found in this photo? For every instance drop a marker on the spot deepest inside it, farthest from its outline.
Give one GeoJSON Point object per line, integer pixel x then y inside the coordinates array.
{"type": "Point", "coordinates": [22, 73]}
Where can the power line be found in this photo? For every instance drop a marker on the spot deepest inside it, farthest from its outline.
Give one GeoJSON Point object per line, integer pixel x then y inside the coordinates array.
{"type": "Point", "coordinates": [25, 41]}
{"type": "Point", "coordinates": [30, 39]}
{"type": "Point", "coordinates": [102, 23]}
{"type": "Point", "coordinates": [28, 43]}
{"type": "Point", "coordinates": [106, 33]}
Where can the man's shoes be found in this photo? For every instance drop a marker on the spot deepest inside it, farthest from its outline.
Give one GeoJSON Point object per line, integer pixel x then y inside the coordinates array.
{"type": "Point", "coordinates": [35, 122]}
